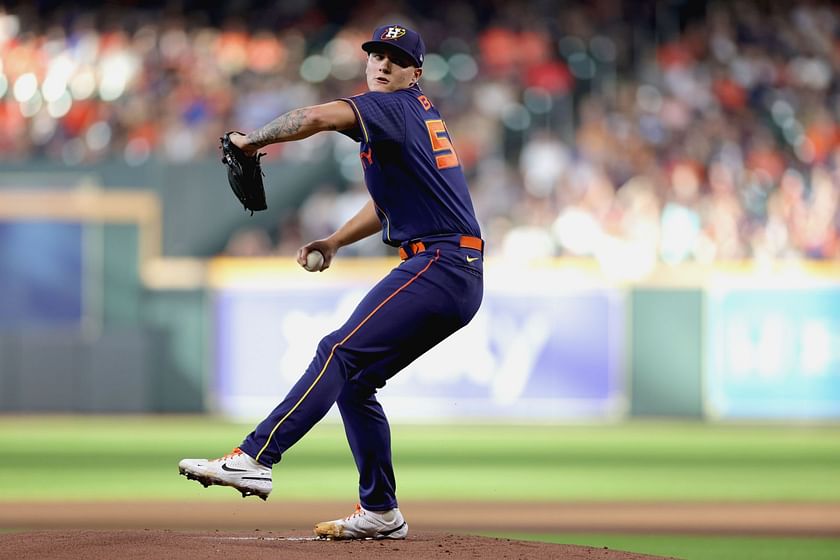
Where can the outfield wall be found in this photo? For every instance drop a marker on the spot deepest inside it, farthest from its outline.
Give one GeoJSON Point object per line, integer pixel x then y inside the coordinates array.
{"type": "Point", "coordinates": [95, 316]}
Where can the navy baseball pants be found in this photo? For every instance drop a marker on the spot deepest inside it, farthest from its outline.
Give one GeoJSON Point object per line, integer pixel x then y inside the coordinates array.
{"type": "Point", "coordinates": [429, 296]}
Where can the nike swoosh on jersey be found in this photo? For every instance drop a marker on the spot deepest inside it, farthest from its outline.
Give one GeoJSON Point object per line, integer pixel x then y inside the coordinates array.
{"type": "Point", "coordinates": [472, 259]}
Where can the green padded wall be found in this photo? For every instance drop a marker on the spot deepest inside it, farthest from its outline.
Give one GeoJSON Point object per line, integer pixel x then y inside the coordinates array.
{"type": "Point", "coordinates": [666, 352]}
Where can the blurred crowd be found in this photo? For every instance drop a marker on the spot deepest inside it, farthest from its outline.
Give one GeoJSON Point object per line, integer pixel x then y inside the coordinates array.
{"type": "Point", "coordinates": [631, 132]}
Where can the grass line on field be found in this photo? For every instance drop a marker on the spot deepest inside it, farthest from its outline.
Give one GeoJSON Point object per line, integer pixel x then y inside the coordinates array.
{"type": "Point", "coordinates": [83, 458]}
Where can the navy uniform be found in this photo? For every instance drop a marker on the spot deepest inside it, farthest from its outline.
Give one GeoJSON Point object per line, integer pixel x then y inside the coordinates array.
{"type": "Point", "coordinates": [420, 194]}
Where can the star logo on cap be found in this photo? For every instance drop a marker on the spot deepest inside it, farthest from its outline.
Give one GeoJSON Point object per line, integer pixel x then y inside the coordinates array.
{"type": "Point", "coordinates": [393, 32]}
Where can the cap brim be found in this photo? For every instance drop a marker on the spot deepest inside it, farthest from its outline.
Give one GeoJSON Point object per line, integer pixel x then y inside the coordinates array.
{"type": "Point", "coordinates": [371, 45]}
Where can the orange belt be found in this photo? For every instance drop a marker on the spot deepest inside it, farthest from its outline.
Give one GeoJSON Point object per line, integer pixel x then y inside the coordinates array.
{"type": "Point", "coordinates": [467, 241]}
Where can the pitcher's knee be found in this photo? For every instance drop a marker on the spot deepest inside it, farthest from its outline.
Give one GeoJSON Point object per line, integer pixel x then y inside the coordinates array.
{"type": "Point", "coordinates": [331, 353]}
{"type": "Point", "coordinates": [354, 392]}
{"type": "Point", "coordinates": [328, 343]}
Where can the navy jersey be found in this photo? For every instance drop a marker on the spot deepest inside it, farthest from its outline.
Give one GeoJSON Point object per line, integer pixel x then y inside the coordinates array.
{"type": "Point", "coordinates": [411, 168]}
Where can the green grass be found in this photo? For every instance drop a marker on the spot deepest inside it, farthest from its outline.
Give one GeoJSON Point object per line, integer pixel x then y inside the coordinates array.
{"type": "Point", "coordinates": [690, 547]}
{"type": "Point", "coordinates": [123, 458]}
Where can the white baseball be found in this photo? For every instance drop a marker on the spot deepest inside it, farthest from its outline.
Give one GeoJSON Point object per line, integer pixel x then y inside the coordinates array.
{"type": "Point", "coordinates": [314, 261]}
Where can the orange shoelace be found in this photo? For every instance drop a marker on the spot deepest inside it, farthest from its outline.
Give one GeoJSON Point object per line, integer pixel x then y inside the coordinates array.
{"type": "Point", "coordinates": [359, 511]}
{"type": "Point", "coordinates": [235, 453]}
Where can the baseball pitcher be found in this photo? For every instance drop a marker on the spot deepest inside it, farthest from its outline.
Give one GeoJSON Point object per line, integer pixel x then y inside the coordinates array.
{"type": "Point", "coordinates": [420, 203]}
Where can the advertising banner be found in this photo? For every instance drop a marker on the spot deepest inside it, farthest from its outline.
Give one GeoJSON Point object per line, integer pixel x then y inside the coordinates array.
{"type": "Point", "coordinates": [774, 353]}
{"type": "Point", "coordinates": [41, 272]}
{"type": "Point", "coordinates": [550, 352]}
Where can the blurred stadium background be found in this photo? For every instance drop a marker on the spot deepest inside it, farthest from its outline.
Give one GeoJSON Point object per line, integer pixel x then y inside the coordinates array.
{"type": "Point", "coordinates": [658, 183]}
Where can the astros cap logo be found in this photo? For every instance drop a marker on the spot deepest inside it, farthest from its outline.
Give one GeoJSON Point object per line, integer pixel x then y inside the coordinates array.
{"type": "Point", "coordinates": [393, 32]}
{"type": "Point", "coordinates": [397, 37]}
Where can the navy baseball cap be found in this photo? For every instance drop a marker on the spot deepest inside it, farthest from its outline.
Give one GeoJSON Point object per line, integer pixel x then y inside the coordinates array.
{"type": "Point", "coordinates": [400, 38]}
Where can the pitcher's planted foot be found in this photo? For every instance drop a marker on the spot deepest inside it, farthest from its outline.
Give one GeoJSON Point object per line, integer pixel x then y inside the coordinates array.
{"type": "Point", "coordinates": [363, 524]}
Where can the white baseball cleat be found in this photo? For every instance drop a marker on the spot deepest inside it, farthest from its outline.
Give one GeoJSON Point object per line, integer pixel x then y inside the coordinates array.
{"type": "Point", "coordinates": [363, 524]}
{"type": "Point", "coordinates": [235, 469]}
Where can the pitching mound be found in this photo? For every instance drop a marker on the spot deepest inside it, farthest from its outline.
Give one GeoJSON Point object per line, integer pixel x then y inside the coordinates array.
{"type": "Point", "coordinates": [263, 545]}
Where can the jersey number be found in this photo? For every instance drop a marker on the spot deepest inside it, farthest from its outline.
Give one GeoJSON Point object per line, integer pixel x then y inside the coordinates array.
{"type": "Point", "coordinates": [440, 143]}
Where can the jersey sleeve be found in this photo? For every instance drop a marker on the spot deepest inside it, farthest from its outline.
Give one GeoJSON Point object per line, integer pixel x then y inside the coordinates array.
{"type": "Point", "coordinates": [380, 117]}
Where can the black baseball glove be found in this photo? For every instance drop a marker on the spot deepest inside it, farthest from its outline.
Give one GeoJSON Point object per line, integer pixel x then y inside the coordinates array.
{"type": "Point", "coordinates": [244, 175]}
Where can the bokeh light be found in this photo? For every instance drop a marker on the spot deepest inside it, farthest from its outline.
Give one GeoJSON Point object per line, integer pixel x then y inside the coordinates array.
{"type": "Point", "coordinates": [463, 67]}
{"type": "Point", "coordinates": [435, 67]}
{"type": "Point", "coordinates": [315, 68]}
{"type": "Point", "coordinates": [26, 86]}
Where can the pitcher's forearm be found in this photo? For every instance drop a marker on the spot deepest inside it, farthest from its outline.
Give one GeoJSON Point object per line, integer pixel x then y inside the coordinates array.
{"type": "Point", "coordinates": [364, 224]}
{"type": "Point", "coordinates": [294, 125]}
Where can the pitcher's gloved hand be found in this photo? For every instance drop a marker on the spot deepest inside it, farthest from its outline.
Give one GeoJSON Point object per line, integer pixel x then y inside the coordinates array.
{"type": "Point", "coordinates": [244, 174]}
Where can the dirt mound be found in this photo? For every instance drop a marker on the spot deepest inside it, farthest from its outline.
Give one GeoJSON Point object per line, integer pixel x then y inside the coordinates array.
{"type": "Point", "coordinates": [294, 545]}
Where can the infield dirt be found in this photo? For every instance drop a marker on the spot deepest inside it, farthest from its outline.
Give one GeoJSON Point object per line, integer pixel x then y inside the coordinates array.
{"type": "Point", "coordinates": [165, 544]}
{"type": "Point", "coordinates": [257, 530]}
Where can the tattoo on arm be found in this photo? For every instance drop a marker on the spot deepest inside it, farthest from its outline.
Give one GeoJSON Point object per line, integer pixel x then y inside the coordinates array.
{"type": "Point", "coordinates": [285, 127]}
